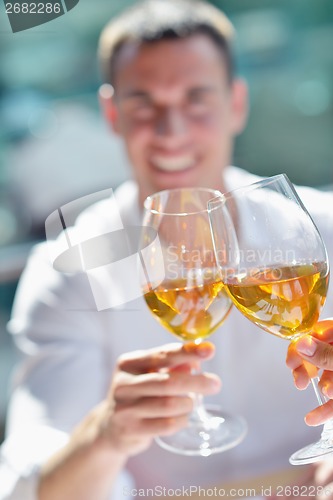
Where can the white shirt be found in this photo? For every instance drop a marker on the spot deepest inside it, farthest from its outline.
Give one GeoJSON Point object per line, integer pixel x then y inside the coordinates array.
{"type": "Point", "coordinates": [69, 350]}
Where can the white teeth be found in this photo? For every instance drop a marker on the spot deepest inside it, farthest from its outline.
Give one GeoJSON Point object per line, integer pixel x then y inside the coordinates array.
{"type": "Point", "coordinates": [173, 164]}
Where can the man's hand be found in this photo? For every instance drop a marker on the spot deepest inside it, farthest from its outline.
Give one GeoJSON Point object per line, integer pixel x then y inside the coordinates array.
{"type": "Point", "coordinates": [308, 354]}
{"type": "Point", "coordinates": [149, 394]}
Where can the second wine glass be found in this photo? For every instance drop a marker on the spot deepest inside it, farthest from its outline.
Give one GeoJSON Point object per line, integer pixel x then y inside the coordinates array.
{"type": "Point", "coordinates": [183, 290]}
{"type": "Point", "coordinates": [274, 265]}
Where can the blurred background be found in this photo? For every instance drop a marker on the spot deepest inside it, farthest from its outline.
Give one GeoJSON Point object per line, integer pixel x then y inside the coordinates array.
{"type": "Point", "coordinates": [55, 147]}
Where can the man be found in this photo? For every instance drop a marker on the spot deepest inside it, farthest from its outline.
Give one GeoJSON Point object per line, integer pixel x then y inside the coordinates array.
{"type": "Point", "coordinates": [90, 409]}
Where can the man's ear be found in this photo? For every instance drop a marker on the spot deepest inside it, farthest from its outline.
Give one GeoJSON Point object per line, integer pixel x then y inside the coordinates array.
{"type": "Point", "coordinates": [108, 107]}
{"type": "Point", "coordinates": [240, 105]}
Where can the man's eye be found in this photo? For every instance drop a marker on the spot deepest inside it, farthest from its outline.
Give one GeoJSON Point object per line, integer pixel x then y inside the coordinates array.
{"type": "Point", "coordinates": [200, 102]}
{"type": "Point", "coordinates": [142, 109]}
{"type": "Point", "coordinates": [197, 105]}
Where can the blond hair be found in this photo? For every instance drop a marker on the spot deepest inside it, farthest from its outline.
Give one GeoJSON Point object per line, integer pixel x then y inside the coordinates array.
{"type": "Point", "coordinates": [153, 20]}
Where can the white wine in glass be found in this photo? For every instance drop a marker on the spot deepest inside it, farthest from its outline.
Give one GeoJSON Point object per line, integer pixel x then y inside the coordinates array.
{"type": "Point", "coordinates": [182, 287]}
{"type": "Point", "coordinates": [285, 301]}
{"type": "Point", "coordinates": [274, 265]}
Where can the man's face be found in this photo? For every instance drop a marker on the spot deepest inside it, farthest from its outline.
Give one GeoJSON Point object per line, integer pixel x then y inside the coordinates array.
{"type": "Point", "coordinates": [177, 112]}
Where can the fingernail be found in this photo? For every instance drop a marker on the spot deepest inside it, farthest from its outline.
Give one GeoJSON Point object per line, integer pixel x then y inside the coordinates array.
{"type": "Point", "coordinates": [324, 390]}
{"type": "Point", "coordinates": [327, 391]}
{"type": "Point", "coordinates": [204, 349]}
{"type": "Point", "coordinates": [308, 420]}
{"type": "Point", "coordinates": [307, 346]}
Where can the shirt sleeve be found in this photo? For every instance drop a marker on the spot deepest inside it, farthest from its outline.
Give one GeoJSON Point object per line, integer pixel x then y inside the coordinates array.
{"type": "Point", "coordinates": [60, 337]}
{"type": "Point", "coordinates": [21, 456]}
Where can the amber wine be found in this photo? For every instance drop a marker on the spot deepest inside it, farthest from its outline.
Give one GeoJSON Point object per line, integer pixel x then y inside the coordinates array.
{"type": "Point", "coordinates": [285, 301]}
{"type": "Point", "coordinates": [188, 309]}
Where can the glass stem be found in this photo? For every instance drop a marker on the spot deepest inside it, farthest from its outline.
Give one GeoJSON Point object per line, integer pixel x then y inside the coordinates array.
{"type": "Point", "coordinates": [319, 395]}
{"type": "Point", "coordinates": [198, 413]}
{"type": "Point", "coordinates": [327, 433]}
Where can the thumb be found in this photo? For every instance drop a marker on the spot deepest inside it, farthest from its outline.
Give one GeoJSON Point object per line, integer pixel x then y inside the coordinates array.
{"type": "Point", "coordinates": [318, 353]}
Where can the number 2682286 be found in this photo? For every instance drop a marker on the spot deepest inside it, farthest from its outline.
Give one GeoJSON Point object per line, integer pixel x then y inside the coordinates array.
{"type": "Point", "coordinates": [33, 8]}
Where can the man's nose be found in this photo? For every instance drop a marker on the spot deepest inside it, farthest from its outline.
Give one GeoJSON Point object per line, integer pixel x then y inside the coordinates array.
{"type": "Point", "coordinates": [171, 122]}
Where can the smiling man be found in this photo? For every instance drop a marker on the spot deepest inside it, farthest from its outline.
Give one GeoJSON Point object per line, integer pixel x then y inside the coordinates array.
{"type": "Point", "coordinates": [92, 391]}
{"type": "Point", "coordinates": [177, 107]}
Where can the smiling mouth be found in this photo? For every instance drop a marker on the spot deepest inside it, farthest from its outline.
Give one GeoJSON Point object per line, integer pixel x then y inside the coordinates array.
{"type": "Point", "coordinates": [173, 164]}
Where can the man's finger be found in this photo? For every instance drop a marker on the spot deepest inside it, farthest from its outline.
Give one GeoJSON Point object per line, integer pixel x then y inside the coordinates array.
{"type": "Point", "coordinates": [302, 370]}
{"type": "Point", "coordinates": [319, 415]}
{"type": "Point", "coordinates": [318, 353]}
{"type": "Point", "coordinates": [169, 355]}
{"type": "Point", "coordinates": [301, 377]}
{"type": "Point", "coordinates": [323, 330]}
{"type": "Point", "coordinates": [157, 407]}
{"type": "Point", "coordinates": [326, 384]}
{"type": "Point", "coordinates": [293, 359]}
{"type": "Point", "coordinates": [157, 384]}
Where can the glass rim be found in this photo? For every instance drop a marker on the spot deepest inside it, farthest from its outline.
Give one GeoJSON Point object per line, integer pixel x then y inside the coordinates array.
{"type": "Point", "coordinates": [222, 197]}
{"type": "Point", "coordinates": [220, 200]}
{"type": "Point", "coordinates": [215, 194]}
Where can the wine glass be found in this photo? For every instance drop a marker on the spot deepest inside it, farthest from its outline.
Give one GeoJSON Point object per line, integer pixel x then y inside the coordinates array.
{"type": "Point", "coordinates": [183, 289]}
{"type": "Point", "coordinates": [274, 265]}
